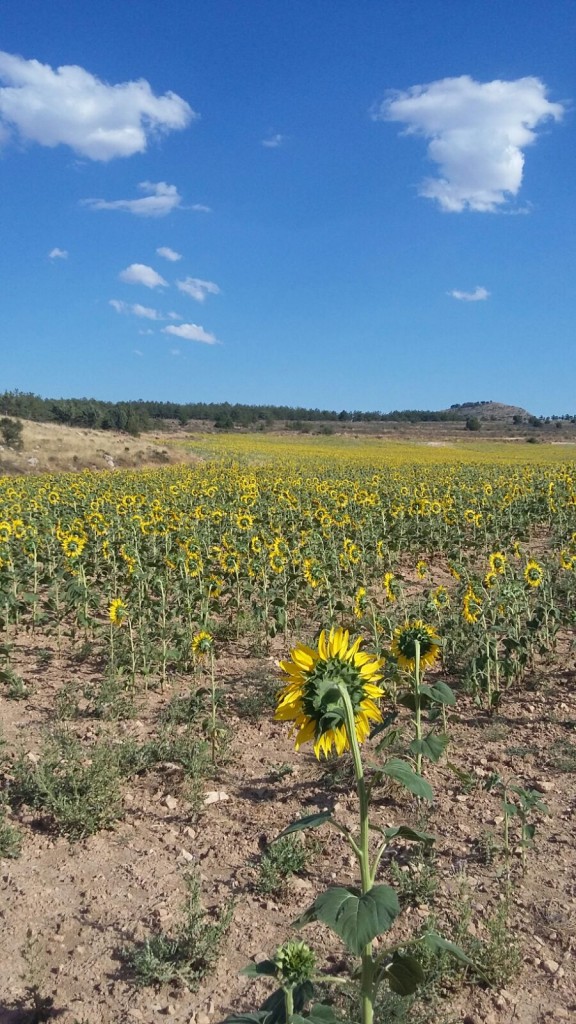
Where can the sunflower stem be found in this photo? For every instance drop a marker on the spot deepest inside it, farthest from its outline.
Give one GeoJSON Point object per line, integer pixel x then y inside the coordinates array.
{"type": "Point", "coordinates": [363, 856]}
{"type": "Point", "coordinates": [417, 706]}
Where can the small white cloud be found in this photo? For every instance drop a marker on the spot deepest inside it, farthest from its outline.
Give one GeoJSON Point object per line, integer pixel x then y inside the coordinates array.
{"type": "Point", "coordinates": [174, 316]}
{"type": "Point", "coordinates": [198, 289]}
{"type": "Point", "coordinates": [139, 273]}
{"type": "Point", "coordinates": [478, 295]}
{"type": "Point", "coordinates": [274, 141]}
{"type": "Point", "coordinates": [137, 352]}
{"type": "Point", "coordinates": [69, 106]}
{"type": "Point", "coordinates": [476, 134]}
{"type": "Point", "coordinates": [191, 332]}
{"type": "Point", "coordinates": [160, 201]}
{"type": "Point", "coordinates": [174, 351]}
{"type": "Point", "coordinates": [168, 254]}
{"type": "Point", "coordinates": [146, 330]}
{"type": "Point", "coordinates": [58, 254]}
{"type": "Point", "coordinates": [135, 309]}
{"type": "Point", "coordinates": [201, 208]}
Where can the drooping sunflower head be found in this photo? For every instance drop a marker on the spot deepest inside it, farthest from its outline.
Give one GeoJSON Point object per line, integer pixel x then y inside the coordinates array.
{"type": "Point", "coordinates": [406, 638]}
{"type": "Point", "coordinates": [312, 700]}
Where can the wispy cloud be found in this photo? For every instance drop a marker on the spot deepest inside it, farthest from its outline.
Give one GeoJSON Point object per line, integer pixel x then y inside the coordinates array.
{"type": "Point", "coordinates": [58, 254]}
{"type": "Point", "coordinates": [201, 208]}
{"type": "Point", "coordinates": [476, 134]}
{"type": "Point", "coordinates": [191, 332]}
{"type": "Point", "coordinates": [139, 273]}
{"type": "Point", "coordinates": [197, 288]}
{"type": "Point", "coordinates": [135, 309]}
{"type": "Point", "coordinates": [137, 352]}
{"type": "Point", "coordinates": [274, 140]}
{"type": "Point", "coordinates": [160, 201]}
{"type": "Point", "coordinates": [70, 106]}
{"type": "Point", "coordinates": [168, 254]}
{"type": "Point", "coordinates": [478, 295]}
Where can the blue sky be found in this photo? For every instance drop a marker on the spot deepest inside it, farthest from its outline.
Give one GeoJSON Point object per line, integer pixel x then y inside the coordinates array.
{"type": "Point", "coordinates": [358, 204]}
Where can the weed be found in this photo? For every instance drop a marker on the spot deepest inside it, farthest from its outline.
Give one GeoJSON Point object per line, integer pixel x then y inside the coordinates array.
{"type": "Point", "coordinates": [16, 688]}
{"type": "Point", "coordinates": [417, 882]}
{"type": "Point", "coordinates": [112, 701]}
{"type": "Point", "coordinates": [78, 789]}
{"type": "Point", "coordinates": [34, 977]}
{"type": "Point", "coordinates": [10, 838]}
{"type": "Point", "coordinates": [257, 699]}
{"type": "Point", "coordinates": [286, 857]}
{"type": "Point", "coordinates": [67, 704]}
{"type": "Point", "coordinates": [563, 755]}
{"type": "Point", "coordinates": [486, 847]}
{"type": "Point", "coordinates": [187, 955]}
{"type": "Point", "coordinates": [185, 710]}
{"type": "Point", "coordinates": [280, 771]}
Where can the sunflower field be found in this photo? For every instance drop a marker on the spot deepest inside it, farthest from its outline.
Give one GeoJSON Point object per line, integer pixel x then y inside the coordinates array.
{"type": "Point", "coordinates": [157, 577]}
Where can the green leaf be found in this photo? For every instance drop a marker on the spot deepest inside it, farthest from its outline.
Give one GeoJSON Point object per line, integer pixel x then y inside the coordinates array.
{"type": "Point", "coordinates": [440, 945]}
{"type": "Point", "coordinates": [405, 832]}
{"type": "Point", "coordinates": [310, 821]}
{"type": "Point", "coordinates": [356, 918]}
{"type": "Point", "coordinates": [403, 773]}
{"type": "Point", "coordinates": [432, 746]}
{"type": "Point", "coordinates": [319, 1014]}
{"type": "Point", "coordinates": [267, 967]}
{"type": "Point", "coordinates": [275, 1005]}
{"type": "Point", "coordinates": [442, 693]}
{"type": "Point", "coordinates": [404, 974]}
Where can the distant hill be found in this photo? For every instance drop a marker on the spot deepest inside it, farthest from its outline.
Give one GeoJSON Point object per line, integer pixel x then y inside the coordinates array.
{"type": "Point", "coordinates": [490, 411]}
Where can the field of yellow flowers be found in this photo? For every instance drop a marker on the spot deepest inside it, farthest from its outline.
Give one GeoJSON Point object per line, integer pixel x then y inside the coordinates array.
{"type": "Point", "coordinates": [142, 617]}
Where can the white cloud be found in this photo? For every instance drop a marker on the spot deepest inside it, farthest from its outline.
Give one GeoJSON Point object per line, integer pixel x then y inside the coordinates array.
{"type": "Point", "coordinates": [274, 141]}
{"type": "Point", "coordinates": [72, 107]}
{"type": "Point", "coordinates": [476, 133]}
{"type": "Point", "coordinates": [197, 288]}
{"type": "Point", "coordinates": [139, 273]}
{"type": "Point", "coordinates": [136, 309]}
{"type": "Point", "coordinates": [174, 316]}
{"type": "Point", "coordinates": [168, 254]}
{"type": "Point", "coordinates": [162, 199]}
{"type": "Point", "coordinates": [58, 254]}
{"type": "Point", "coordinates": [478, 295]}
{"type": "Point", "coordinates": [174, 351]}
{"type": "Point", "coordinates": [137, 352]}
{"type": "Point", "coordinates": [191, 332]}
{"type": "Point", "coordinates": [201, 208]}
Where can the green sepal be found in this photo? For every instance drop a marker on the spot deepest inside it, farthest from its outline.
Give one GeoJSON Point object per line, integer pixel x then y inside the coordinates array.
{"type": "Point", "coordinates": [404, 974]}
{"type": "Point", "coordinates": [355, 917]}
{"type": "Point", "coordinates": [310, 821]}
{"type": "Point", "coordinates": [403, 773]}
{"type": "Point", "coordinates": [432, 746]}
{"type": "Point", "coordinates": [267, 967]}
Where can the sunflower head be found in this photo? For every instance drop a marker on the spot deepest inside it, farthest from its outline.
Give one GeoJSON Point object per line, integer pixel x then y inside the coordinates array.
{"type": "Point", "coordinates": [406, 638]}
{"type": "Point", "coordinates": [202, 644]}
{"type": "Point", "coordinates": [295, 962]}
{"type": "Point", "coordinates": [117, 611]}
{"type": "Point", "coordinates": [533, 574]}
{"type": "Point", "coordinates": [312, 698]}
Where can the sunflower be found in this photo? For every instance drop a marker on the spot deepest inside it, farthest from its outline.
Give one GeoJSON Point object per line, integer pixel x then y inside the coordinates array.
{"type": "Point", "coordinates": [440, 597]}
{"type": "Point", "coordinates": [533, 574]}
{"type": "Point", "coordinates": [388, 582]}
{"type": "Point", "coordinates": [421, 569]}
{"type": "Point", "coordinates": [404, 642]}
{"type": "Point", "coordinates": [73, 545]}
{"type": "Point", "coordinates": [202, 644]}
{"type": "Point", "coordinates": [311, 698]}
{"type": "Point", "coordinates": [471, 606]}
{"type": "Point", "coordinates": [117, 611]}
{"type": "Point", "coordinates": [360, 602]}
{"type": "Point", "coordinates": [497, 562]}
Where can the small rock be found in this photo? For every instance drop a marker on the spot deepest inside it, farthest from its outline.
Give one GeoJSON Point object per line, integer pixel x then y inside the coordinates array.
{"type": "Point", "coordinates": [215, 797]}
{"type": "Point", "coordinates": [202, 1018]}
{"type": "Point", "coordinates": [551, 966]}
{"type": "Point", "coordinates": [171, 803]}
{"type": "Point", "coordinates": [186, 855]}
{"type": "Point", "coordinates": [542, 786]}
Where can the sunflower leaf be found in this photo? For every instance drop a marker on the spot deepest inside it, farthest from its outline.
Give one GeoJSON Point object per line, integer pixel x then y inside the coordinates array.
{"type": "Point", "coordinates": [357, 918]}
{"type": "Point", "coordinates": [432, 746]}
{"type": "Point", "coordinates": [310, 821]}
{"type": "Point", "coordinates": [403, 773]}
{"type": "Point", "coordinates": [405, 832]}
{"type": "Point", "coordinates": [442, 693]}
{"type": "Point", "coordinates": [404, 974]}
{"type": "Point", "coordinates": [266, 967]}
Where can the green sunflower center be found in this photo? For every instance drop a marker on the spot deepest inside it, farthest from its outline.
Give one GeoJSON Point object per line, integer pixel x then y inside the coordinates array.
{"type": "Point", "coordinates": [322, 700]}
{"type": "Point", "coordinates": [412, 635]}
